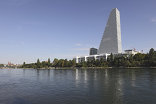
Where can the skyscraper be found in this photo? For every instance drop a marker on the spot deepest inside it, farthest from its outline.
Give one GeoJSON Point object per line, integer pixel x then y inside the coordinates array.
{"type": "Point", "coordinates": [111, 40]}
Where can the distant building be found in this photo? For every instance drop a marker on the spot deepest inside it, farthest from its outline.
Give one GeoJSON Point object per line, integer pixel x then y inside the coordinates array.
{"type": "Point", "coordinates": [93, 51]}
{"type": "Point", "coordinates": [10, 64]}
{"type": "Point", "coordinates": [131, 52]}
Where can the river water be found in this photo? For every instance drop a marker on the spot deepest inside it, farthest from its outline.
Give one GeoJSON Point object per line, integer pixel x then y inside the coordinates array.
{"type": "Point", "coordinates": [78, 86]}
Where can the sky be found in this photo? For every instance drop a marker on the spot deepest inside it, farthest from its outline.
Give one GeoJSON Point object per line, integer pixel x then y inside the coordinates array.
{"type": "Point", "coordinates": [32, 29]}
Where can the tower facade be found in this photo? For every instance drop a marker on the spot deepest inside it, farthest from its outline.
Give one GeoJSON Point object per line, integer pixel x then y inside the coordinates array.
{"type": "Point", "coordinates": [111, 40]}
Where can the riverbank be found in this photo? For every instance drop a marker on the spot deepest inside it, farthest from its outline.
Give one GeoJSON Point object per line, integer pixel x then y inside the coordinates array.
{"type": "Point", "coordinates": [117, 67]}
{"type": "Point", "coordinates": [86, 68]}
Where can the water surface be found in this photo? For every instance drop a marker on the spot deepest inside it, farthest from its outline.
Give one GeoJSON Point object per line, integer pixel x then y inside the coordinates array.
{"type": "Point", "coordinates": [94, 86]}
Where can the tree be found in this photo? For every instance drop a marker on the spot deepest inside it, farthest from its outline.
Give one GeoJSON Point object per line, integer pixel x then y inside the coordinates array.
{"type": "Point", "coordinates": [55, 62]}
{"type": "Point", "coordinates": [151, 52]}
{"type": "Point", "coordinates": [127, 63]}
{"type": "Point", "coordinates": [110, 59]}
{"type": "Point", "coordinates": [23, 64]}
{"type": "Point", "coordinates": [66, 63]}
{"type": "Point", "coordinates": [139, 57]}
{"type": "Point", "coordinates": [97, 63]}
{"type": "Point", "coordinates": [84, 64]}
{"type": "Point", "coordinates": [73, 63]}
{"type": "Point", "coordinates": [1, 65]}
{"type": "Point", "coordinates": [152, 57]}
{"type": "Point", "coordinates": [62, 63]}
{"type": "Point", "coordinates": [49, 64]}
{"type": "Point", "coordinates": [38, 63]}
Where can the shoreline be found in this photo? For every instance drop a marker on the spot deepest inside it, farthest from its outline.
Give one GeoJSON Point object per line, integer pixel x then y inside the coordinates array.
{"type": "Point", "coordinates": [50, 68]}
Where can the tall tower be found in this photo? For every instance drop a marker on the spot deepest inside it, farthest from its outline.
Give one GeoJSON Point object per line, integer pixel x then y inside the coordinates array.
{"type": "Point", "coordinates": [111, 40]}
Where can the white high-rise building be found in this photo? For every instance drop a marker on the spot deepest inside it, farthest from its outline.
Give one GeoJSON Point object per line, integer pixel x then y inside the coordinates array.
{"type": "Point", "coordinates": [111, 40]}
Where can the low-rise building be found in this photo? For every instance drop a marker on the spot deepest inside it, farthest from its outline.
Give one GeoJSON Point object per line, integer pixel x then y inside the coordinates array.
{"type": "Point", "coordinates": [127, 53]}
{"type": "Point", "coordinates": [131, 52]}
{"type": "Point", "coordinates": [80, 59]}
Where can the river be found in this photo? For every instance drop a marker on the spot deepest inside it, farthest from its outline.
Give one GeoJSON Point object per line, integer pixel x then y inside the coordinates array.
{"type": "Point", "coordinates": [78, 86]}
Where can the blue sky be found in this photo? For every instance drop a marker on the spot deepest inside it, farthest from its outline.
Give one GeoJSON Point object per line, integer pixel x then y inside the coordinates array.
{"type": "Point", "coordinates": [31, 29]}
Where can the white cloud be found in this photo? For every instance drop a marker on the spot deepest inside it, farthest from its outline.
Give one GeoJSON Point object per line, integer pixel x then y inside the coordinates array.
{"type": "Point", "coordinates": [153, 20]}
{"type": "Point", "coordinates": [78, 44]}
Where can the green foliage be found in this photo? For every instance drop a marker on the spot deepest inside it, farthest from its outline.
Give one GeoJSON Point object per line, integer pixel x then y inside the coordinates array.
{"type": "Point", "coordinates": [38, 64]}
{"type": "Point", "coordinates": [46, 64]}
{"type": "Point", "coordinates": [1, 65]}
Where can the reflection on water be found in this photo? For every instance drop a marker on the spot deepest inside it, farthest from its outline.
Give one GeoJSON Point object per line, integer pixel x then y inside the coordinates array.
{"type": "Point", "coordinates": [133, 79]}
{"type": "Point", "coordinates": [77, 74]}
{"type": "Point", "coordinates": [95, 74]}
{"type": "Point", "coordinates": [85, 75]}
{"type": "Point", "coordinates": [78, 86]}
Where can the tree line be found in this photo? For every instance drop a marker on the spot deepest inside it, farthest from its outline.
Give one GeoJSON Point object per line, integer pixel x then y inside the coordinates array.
{"type": "Point", "coordinates": [1, 65]}
{"type": "Point", "coordinates": [137, 60]}
{"type": "Point", "coordinates": [47, 64]}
